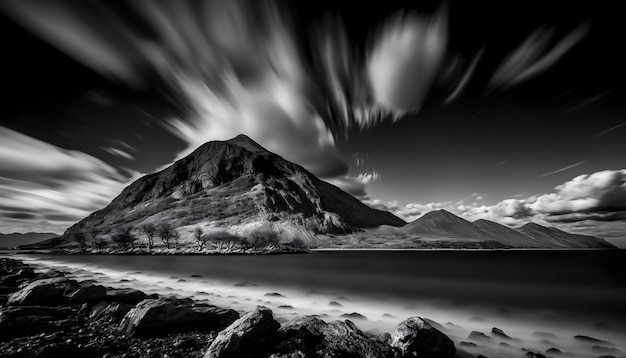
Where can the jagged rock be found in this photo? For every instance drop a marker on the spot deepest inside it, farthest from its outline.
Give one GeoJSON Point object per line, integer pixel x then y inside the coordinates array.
{"type": "Point", "coordinates": [47, 292]}
{"type": "Point", "coordinates": [252, 335]}
{"type": "Point", "coordinates": [27, 320]}
{"type": "Point", "coordinates": [590, 339]}
{"type": "Point", "coordinates": [112, 312]}
{"type": "Point", "coordinates": [125, 295]}
{"type": "Point", "coordinates": [156, 317]}
{"type": "Point", "coordinates": [315, 338]}
{"type": "Point", "coordinates": [417, 337]}
{"type": "Point", "coordinates": [499, 333]}
{"type": "Point", "coordinates": [478, 336]}
{"type": "Point", "coordinates": [87, 292]}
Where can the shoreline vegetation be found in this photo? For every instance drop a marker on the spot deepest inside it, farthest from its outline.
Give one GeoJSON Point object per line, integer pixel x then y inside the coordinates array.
{"type": "Point", "coordinates": [45, 314]}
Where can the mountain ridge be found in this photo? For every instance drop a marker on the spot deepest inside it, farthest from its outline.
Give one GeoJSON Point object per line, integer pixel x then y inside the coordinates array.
{"type": "Point", "coordinates": [444, 224]}
{"type": "Point", "coordinates": [234, 184]}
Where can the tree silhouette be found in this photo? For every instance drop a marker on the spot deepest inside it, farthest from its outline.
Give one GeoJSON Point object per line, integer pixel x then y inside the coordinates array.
{"type": "Point", "coordinates": [149, 230]}
{"type": "Point", "coordinates": [81, 239]}
{"type": "Point", "coordinates": [201, 238]}
{"type": "Point", "coordinates": [166, 232]}
{"type": "Point", "coordinates": [125, 238]}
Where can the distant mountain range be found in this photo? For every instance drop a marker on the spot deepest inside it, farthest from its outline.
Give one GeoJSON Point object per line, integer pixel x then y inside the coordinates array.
{"type": "Point", "coordinates": [239, 186]}
{"type": "Point", "coordinates": [15, 239]}
{"type": "Point", "coordinates": [445, 225]}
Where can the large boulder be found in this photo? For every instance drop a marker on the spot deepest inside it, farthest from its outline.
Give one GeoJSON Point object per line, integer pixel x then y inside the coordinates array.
{"type": "Point", "coordinates": [313, 337]}
{"type": "Point", "coordinates": [46, 292]}
{"type": "Point", "coordinates": [251, 336]}
{"type": "Point", "coordinates": [112, 312]}
{"type": "Point", "coordinates": [156, 317]}
{"type": "Point", "coordinates": [417, 338]}
{"type": "Point", "coordinates": [22, 321]}
{"type": "Point", "coordinates": [125, 295]}
{"type": "Point", "coordinates": [87, 292]}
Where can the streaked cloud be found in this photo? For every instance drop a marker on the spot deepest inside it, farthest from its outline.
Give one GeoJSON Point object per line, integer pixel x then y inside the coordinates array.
{"type": "Point", "coordinates": [460, 87]}
{"type": "Point", "coordinates": [586, 103]}
{"type": "Point", "coordinates": [562, 169]}
{"type": "Point", "coordinates": [608, 130]}
{"type": "Point", "coordinates": [534, 56]}
{"type": "Point", "coordinates": [44, 186]}
{"type": "Point", "coordinates": [118, 152]}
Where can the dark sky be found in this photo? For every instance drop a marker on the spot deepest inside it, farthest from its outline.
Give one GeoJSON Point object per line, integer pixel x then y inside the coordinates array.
{"type": "Point", "coordinates": [512, 111]}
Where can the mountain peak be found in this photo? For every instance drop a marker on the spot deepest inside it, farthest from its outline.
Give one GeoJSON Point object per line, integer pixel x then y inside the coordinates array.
{"type": "Point", "coordinates": [246, 142]}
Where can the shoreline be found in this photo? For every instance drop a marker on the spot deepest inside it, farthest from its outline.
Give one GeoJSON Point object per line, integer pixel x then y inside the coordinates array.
{"type": "Point", "coordinates": [45, 314]}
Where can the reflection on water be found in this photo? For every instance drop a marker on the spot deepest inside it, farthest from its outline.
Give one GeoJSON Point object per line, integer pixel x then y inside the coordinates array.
{"type": "Point", "coordinates": [540, 299]}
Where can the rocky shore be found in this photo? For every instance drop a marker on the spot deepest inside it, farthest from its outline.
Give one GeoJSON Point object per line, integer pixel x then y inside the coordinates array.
{"type": "Point", "coordinates": [45, 314]}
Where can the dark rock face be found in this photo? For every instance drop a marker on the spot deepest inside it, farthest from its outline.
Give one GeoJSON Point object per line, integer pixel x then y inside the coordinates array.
{"type": "Point", "coordinates": [27, 320]}
{"type": "Point", "coordinates": [47, 292]}
{"type": "Point", "coordinates": [87, 292]}
{"type": "Point", "coordinates": [478, 336]}
{"type": "Point", "coordinates": [156, 317]}
{"type": "Point", "coordinates": [252, 335]}
{"type": "Point", "coordinates": [499, 333]}
{"type": "Point", "coordinates": [112, 312]}
{"type": "Point", "coordinates": [313, 337]}
{"type": "Point", "coordinates": [417, 337]}
{"type": "Point", "coordinates": [125, 295]}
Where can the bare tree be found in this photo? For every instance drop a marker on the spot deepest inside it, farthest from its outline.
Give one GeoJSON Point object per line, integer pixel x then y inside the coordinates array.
{"type": "Point", "coordinates": [166, 232]}
{"type": "Point", "coordinates": [125, 238]}
{"type": "Point", "coordinates": [94, 240]}
{"type": "Point", "coordinates": [149, 230]}
{"type": "Point", "coordinates": [201, 239]}
{"type": "Point", "coordinates": [81, 239]}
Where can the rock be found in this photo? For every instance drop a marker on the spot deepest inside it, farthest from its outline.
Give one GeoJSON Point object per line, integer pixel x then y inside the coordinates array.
{"type": "Point", "coordinates": [553, 350]}
{"type": "Point", "coordinates": [156, 317]}
{"type": "Point", "coordinates": [28, 320]}
{"type": "Point", "coordinates": [590, 339]}
{"type": "Point", "coordinates": [417, 337]}
{"type": "Point", "coordinates": [605, 350]}
{"type": "Point", "coordinates": [9, 280]}
{"type": "Point", "coordinates": [87, 292]}
{"type": "Point", "coordinates": [354, 315]}
{"type": "Point", "coordinates": [296, 354]}
{"type": "Point", "coordinates": [47, 292]}
{"type": "Point", "coordinates": [26, 272]}
{"type": "Point", "coordinates": [478, 336]}
{"type": "Point", "coordinates": [125, 295]}
{"type": "Point", "coordinates": [499, 333]}
{"type": "Point", "coordinates": [112, 312]}
{"type": "Point", "coordinates": [315, 338]}
{"type": "Point", "coordinates": [335, 304]}
{"type": "Point", "coordinates": [252, 335]}
{"type": "Point", "coordinates": [468, 344]}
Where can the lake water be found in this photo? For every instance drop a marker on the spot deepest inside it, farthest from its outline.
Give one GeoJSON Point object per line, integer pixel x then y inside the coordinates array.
{"type": "Point", "coordinates": [525, 293]}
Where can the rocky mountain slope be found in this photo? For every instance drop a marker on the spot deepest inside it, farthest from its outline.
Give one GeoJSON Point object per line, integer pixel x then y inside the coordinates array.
{"type": "Point", "coordinates": [441, 224]}
{"type": "Point", "coordinates": [240, 186]}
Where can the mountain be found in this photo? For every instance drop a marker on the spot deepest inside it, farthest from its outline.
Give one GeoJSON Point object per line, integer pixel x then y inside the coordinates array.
{"type": "Point", "coordinates": [555, 238]}
{"type": "Point", "coordinates": [506, 235]}
{"type": "Point", "coordinates": [441, 224]}
{"type": "Point", "coordinates": [240, 186]}
{"type": "Point", "coordinates": [16, 238]}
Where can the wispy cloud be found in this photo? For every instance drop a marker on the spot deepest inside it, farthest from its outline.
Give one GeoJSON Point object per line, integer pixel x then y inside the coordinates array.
{"type": "Point", "coordinates": [531, 58]}
{"type": "Point", "coordinates": [466, 77]}
{"type": "Point", "coordinates": [608, 130]}
{"type": "Point", "coordinates": [118, 152]}
{"type": "Point", "coordinates": [562, 169]}
{"type": "Point", "coordinates": [585, 103]}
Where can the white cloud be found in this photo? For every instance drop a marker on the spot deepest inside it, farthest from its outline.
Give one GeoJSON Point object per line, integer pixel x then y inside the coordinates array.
{"type": "Point", "coordinates": [366, 178]}
{"type": "Point", "coordinates": [43, 183]}
{"type": "Point", "coordinates": [118, 152]}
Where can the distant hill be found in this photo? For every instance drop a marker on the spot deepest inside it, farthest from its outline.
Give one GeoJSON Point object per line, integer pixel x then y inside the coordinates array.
{"type": "Point", "coordinates": [442, 224]}
{"type": "Point", "coordinates": [16, 239]}
{"type": "Point", "coordinates": [236, 185]}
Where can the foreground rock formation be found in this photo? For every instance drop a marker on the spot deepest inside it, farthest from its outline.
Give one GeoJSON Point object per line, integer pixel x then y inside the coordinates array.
{"type": "Point", "coordinates": [44, 314]}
